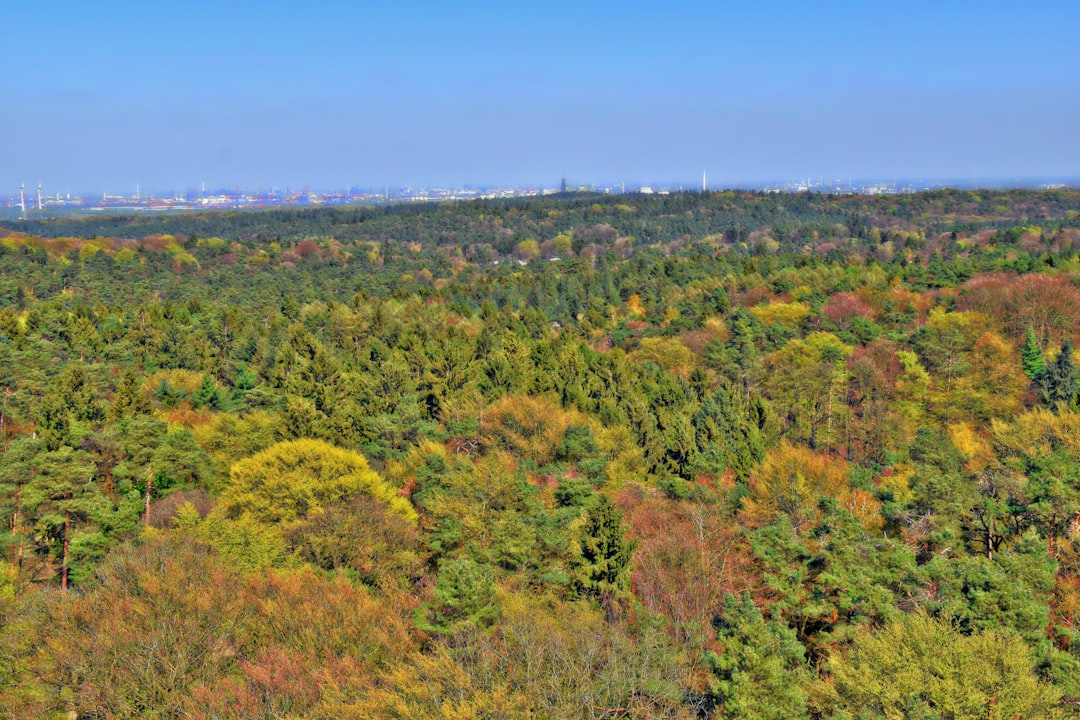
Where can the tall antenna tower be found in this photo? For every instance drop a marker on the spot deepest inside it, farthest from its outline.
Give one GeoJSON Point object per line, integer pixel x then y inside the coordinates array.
{"type": "Point", "coordinates": [39, 195]}
{"type": "Point", "coordinates": [22, 197]}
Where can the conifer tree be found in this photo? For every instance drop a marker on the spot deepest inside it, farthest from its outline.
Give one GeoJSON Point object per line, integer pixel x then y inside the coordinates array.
{"type": "Point", "coordinates": [1058, 383]}
{"type": "Point", "coordinates": [464, 598]}
{"type": "Point", "coordinates": [127, 400]}
{"type": "Point", "coordinates": [758, 673]}
{"type": "Point", "coordinates": [604, 556]}
{"type": "Point", "coordinates": [1032, 357]}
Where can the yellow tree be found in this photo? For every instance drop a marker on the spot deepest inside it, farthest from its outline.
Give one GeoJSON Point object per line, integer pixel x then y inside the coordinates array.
{"type": "Point", "coordinates": [919, 666]}
{"type": "Point", "coordinates": [994, 383]}
{"type": "Point", "coordinates": [945, 344]}
{"type": "Point", "coordinates": [276, 490]}
{"type": "Point", "coordinates": [806, 378]}
{"type": "Point", "coordinates": [790, 481]}
{"type": "Point", "coordinates": [293, 479]}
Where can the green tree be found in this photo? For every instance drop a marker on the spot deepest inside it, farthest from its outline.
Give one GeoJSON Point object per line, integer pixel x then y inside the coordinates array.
{"type": "Point", "coordinates": [1031, 355]}
{"type": "Point", "coordinates": [760, 671]}
{"type": "Point", "coordinates": [603, 556]}
{"type": "Point", "coordinates": [208, 395]}
{"type": "Point", "coordinates": [464, 598]}
{"type": "Point", "coordinates": [64, 503]}
{"type": "Point", "coordinates": [730, 433]}
{"type": "Point", "coordinates": [128, 400]}
{"type": "Point", "coordinates": [1058, 383]}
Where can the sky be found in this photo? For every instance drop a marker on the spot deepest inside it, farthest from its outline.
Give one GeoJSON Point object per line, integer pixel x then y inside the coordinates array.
{"type": "Point", "coordinates": [165, 95]}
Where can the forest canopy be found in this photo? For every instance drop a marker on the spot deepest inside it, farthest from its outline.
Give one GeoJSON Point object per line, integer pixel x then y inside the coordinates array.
{"type": "Point", "coordinates": [697, 455]}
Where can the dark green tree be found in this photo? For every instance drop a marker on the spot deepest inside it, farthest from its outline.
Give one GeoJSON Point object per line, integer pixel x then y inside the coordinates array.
{"type": "Point", "coordinates": [602, 562]}
{"type": "Point", "coordinates": [1058, 383]}
{"type": "Point", "coordinates": [208, 395]}
{"type": "Point", "coordinates": [64, 503]}
{"type": "Point", "coordinates": [128, 400]}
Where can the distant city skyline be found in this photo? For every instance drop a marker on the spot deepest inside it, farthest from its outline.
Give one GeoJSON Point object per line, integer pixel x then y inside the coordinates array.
{"type": "Point", "coordinates": [795, 184]}
{"type": "Point", "coordinates": [40, 204]}
{"type": "Point", "coordinates": [106, 96]}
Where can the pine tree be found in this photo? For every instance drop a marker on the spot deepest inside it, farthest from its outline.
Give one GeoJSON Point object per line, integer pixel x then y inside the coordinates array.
{"type": "Point", "coordinates": [206, 395]}
{"type": "Point", "coordinates": [1058, 383]}
{"type": "Point", "coordinates": [1032, 357]}
{"type": "Point", "coordinates": [604, 556]}
{"type": "Point", "coordinates": [759, 672]}
{"type": "Point", "coordinates": [128, 400]}
{"type": "Point", "coordinates": [464, 598]}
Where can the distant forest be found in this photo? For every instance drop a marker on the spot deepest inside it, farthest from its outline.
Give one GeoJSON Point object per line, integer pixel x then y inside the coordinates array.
{"type": "Point", "coordinates": [700, 455]}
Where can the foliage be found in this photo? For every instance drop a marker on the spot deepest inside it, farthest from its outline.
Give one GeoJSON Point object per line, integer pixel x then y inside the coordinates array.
{"type": "Point", "coordinates": [759, 672]}
{"type": "Point", "coordinates": [464, 598]}
{"type": "Point", "coordinates": [295, 479]}
{"type": "Point", "coordinates": [356, 462]}
{"type": "Point", "coordinates": [918, 666]}
{"type": "Point", "coordinates": [602, 559]}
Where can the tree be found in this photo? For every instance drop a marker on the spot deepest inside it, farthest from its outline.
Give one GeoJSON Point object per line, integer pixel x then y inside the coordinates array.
{"type": "Point", "coordinates": [792, 479]}
{"type": "Point", "coordinates": [603, 556]}
{"type": "Point", "coordinates": [530, 426]}
{"type": "Point", "coordinates": [730, 433]}
{"type": "Point", "coordinates": [64, 501]}
{"type": "Point", "coordinates": [1031, 355]}
{"type": "Point", "coordinates": [1012, 590]}
{"type": "Point", "coordinates": [128, 400]}
{"type": "Point", "coordinates": [156, 620]}
{"type": "Point", "coordinates": [805, 381]}
{"type": "Point", "coordinates": [1058, 383]}
{"type": "Point", "coordinates": [921, 667]}
{"type": "Point", "coordinates": [760, 671]}
{"type": "Point", "coordinates": [156, 459]}
{"type": "Point", "coordinates": [993, 384]}
{"type": "Point", "coordinates": [1041, 304]}
{"type": "Point", "coordinates": [464, 598]}
{"type": "Point", "coordinates": [18, 467]}
{"type": "Point", "coordinates": [209, 395]}
{"type": "Point", "coordinates": [528, 249]}
{"type": "Point", "coordinates": [555, 659]}
{"type": "Point", "coordinates": [668, 353]}
{"type": "Point", "coordinates": [829, 580]}
{"type": "Point", "coordinates": [292, 480]}
{"type": "Point", "coordinates": [361, 538]}
{"type": "Point", "coordinates": [944, 343]}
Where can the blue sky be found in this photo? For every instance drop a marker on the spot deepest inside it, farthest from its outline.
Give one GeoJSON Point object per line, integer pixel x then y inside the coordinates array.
{"type": "Point", "coordinates": [105, 95]}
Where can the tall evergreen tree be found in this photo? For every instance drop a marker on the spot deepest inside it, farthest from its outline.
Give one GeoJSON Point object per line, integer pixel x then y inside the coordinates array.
{"type": "Point", "coordinates": [1031, 355]}
{"type": "Point", "coordinates": [1058, 383]}
{"type": "Point", "coordinates": [604, 556]}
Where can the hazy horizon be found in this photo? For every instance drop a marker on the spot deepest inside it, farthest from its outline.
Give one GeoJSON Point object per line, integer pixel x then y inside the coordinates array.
{"type": "Point", "coordinates": [107, 96]}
